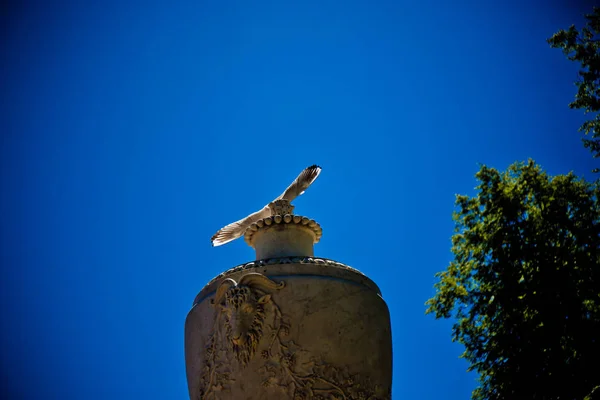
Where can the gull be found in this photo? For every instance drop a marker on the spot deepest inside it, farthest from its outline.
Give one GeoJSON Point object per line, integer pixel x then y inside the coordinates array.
{"type": "Point", "coordinates": [237, 229]}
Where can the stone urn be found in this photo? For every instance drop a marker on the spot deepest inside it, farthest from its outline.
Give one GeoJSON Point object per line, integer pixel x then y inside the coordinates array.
{"type": "Point", "coordinates": [288, 325]}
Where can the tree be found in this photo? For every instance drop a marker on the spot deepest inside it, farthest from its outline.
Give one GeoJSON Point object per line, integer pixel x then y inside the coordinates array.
{"type": "Point", "coordinates": [584, 47]}
{"type": "Point", "coordinates": [524, 284]}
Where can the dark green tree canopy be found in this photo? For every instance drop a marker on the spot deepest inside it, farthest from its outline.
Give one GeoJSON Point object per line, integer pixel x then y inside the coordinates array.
{"type": "Point", "coordinates": [524, 284]}
{"type": "Point", "coordinates": [584, 47]}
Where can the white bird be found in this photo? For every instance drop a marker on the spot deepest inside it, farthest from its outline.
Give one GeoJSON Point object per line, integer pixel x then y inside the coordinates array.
{"type": "Point", "coordinates": [237, 229]}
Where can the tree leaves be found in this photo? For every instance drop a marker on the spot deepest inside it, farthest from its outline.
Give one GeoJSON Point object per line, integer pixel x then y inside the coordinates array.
{"type": "Point", "coordinates": [524, 284]}
{"type": "Point", "coordinates": [584, 47]}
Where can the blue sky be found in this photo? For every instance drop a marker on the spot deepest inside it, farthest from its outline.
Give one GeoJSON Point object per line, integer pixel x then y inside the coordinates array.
{"type": "Point", "coordinates": [132, 131]}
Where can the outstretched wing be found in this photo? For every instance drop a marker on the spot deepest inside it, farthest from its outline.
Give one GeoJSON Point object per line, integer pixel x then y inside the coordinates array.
{"type": "Point", "coordinates": [302, 182]}
{"type": "Point", "coordinates": [237, 229]}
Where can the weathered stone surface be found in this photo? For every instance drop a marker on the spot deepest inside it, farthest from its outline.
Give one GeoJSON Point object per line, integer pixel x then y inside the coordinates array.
{"type": "Point", "coordinates": [290, 325]}
{"type": "Point", "coordinates": [280, 240]}
{"type": "Point", "coordinates": [289, 328]}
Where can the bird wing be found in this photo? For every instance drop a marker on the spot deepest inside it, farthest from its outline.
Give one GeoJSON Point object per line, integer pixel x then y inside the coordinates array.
{"type": "Point", "coordinates": [301, 183]}
{"type": "Point", "coordinates": [237, 229]}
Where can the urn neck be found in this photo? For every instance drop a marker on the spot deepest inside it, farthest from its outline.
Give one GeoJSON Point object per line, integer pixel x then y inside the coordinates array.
{"type": "Point", "coordinates": [283, 236]}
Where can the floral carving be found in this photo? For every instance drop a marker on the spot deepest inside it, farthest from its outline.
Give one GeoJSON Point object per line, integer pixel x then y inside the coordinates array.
{"type": "Point", "coordinates": [303, 376]}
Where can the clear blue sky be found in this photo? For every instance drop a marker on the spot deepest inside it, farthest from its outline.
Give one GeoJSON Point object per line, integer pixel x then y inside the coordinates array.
{"type": "Point", "coordinates": [131, 132]}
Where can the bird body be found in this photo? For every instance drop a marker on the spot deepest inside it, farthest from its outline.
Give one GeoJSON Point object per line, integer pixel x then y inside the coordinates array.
{"type": "Point", "coordinates": [237, 229]}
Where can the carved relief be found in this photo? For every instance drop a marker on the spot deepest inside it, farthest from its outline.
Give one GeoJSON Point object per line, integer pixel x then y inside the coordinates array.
{"type": "Point", "coordinates": [250, 326]}
{"type": "Point", "coordinates": [299, 375]}
{"type": "Point", "coordinates": [241, 312]}
{"type": "Point", "coordinates": [243, 307]}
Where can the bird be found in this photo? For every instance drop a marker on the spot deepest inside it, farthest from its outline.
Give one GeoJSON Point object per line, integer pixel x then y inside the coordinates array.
{"type": "Point", "coordinates": [237, 229]}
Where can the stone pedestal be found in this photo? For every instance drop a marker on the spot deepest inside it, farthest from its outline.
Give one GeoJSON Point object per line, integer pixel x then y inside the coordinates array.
{"type": "Point", "coordinates": [290, 326]}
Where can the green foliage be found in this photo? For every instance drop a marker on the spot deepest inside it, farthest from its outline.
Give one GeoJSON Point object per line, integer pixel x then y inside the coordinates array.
{"type": "Point", "coordinates": [594, 394]}
{"type": "Point", "coordinates": [584, 47]}
{"type": "Point", "coordinates": [524, 284]}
